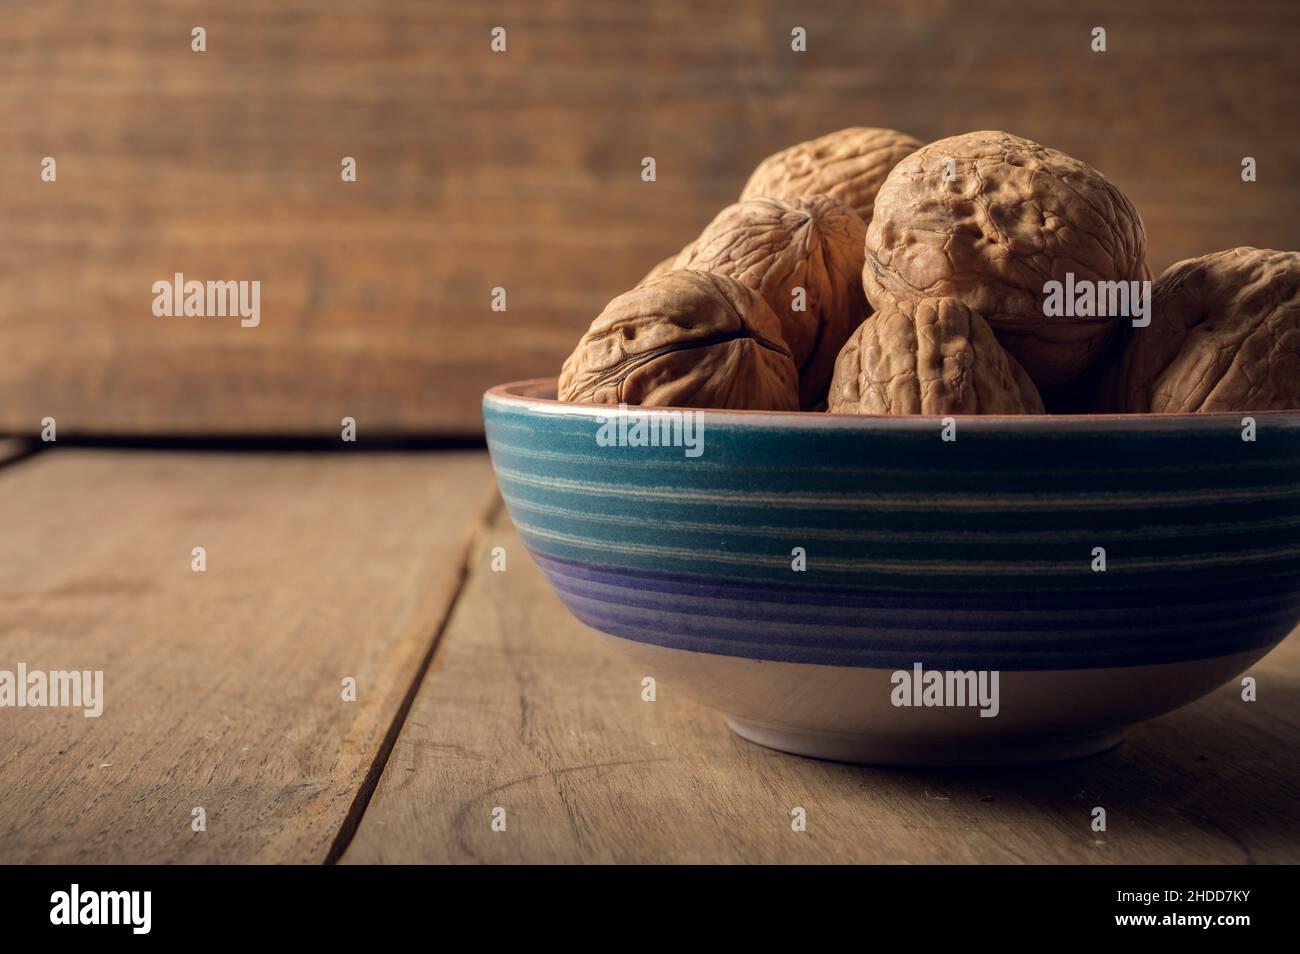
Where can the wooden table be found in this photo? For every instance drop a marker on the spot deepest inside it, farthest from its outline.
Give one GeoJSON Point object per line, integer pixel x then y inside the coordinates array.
{"type": "Point", "coordinates": [477, 697]}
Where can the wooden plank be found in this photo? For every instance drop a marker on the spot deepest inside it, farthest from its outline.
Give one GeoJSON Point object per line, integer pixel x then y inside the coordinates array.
{"type": "Point", "coordinates": [522, 170]}
{"type": "Point", "coordinates": [523, 710]}
{"type": "Point", "coordinates": [221, 689]}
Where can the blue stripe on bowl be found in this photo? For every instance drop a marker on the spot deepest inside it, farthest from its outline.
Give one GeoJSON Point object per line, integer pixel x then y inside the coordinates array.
{"type": "Point", "coordinates": [978, 549]}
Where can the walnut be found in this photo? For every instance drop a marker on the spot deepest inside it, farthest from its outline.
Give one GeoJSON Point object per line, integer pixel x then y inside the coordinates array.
{"type": "Point", "coordinates": [1224, 336]}
{"type": "Point", "coordinates": [929, 356]}
{"type": "Point", "coordinates": [991, 228]}
{"type": "Point", "coordinates": [685, 339]}
{"type": "Point", "coordinates": [777, 247]}
{"type": "Point", "coordinates": [849, 165]}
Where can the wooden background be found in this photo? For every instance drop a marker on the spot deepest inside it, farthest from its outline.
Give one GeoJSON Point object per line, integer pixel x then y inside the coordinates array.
{"type": "Point", "coordinates": [522, 170]}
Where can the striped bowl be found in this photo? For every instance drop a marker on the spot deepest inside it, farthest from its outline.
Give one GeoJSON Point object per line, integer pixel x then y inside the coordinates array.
{"type": "Point", "coordinates": [840, 585]}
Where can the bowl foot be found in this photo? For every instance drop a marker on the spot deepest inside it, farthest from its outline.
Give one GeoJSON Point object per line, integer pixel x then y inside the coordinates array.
{"type": "Point", "coordinates": [892, 750]}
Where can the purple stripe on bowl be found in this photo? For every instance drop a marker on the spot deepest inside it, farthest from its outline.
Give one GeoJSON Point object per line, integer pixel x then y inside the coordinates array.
{"type": "Point", "coordinates": [834, 626]}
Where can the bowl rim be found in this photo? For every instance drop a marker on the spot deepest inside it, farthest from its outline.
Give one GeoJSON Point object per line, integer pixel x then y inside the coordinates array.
{"type": "Point", "coordinates": [523, 394]}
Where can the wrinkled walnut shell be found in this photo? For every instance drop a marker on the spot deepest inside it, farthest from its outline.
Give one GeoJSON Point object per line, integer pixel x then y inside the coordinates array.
{"type": "Point", "coordinates": [684, 339]}
{"type": "Point", "coordinates": [776, 247]}
{"type": "Point", "coordinates": [931, 356]}
{"type": "Point", "coordinates": [1014, 216]}
{"type": "Point", "coordinates": [849, 164]}
{"type": "Point", "coordinates": [1224, 336]}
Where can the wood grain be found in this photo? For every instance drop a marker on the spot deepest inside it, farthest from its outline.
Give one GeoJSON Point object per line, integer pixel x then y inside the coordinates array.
{"type": "Point", "coordinates": [222, 689]}
{"type": "Point", "coordinates": [522, 170]}
{"type": "Point", "coordinates": [523, 710]}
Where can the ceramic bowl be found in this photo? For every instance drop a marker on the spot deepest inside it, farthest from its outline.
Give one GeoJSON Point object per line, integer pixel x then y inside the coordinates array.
{"type": "Point", "coordinates": [843, 586]}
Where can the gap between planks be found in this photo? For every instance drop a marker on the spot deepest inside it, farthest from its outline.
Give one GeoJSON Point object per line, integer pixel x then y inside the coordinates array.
{"type": "Point", "coordinates": [348, 830]}
{"type": "Point", "coordinates": [14, 449]}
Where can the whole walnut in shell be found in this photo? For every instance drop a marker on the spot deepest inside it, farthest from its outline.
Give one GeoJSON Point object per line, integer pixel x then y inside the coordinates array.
{"type": "Point", "coordinates": [685, 339]}
{"type": "Point", "coordinates": [777, 247]}
{"type": "Point", "coordinates": [1224, 336]}
{"type": "Point", "coordinates": [994, 225]}
{"type": "Point", "coordinates": [929, 356]}
{"type": "Point", "coordinates": [849, 164]}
